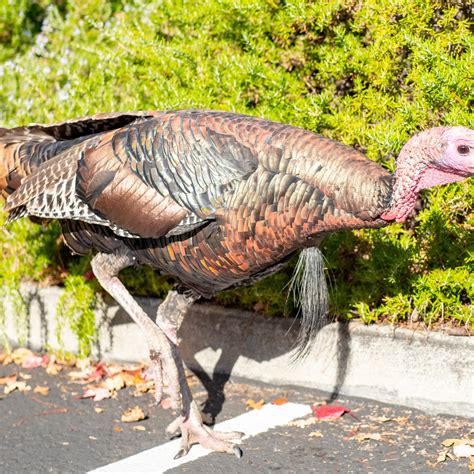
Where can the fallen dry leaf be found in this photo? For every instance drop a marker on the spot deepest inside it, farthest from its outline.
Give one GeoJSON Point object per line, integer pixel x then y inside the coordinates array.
{"type": "Point", "coordinates": [8, 379]}
{"type": "Point", "coordinates": [6, 359]}
{"type": "Point", "coordinates": [463, 450]}
{"type": "Point", "coordinates": [83, 364]}
{"type": "Point", "coordinates": [98, 410]}
{"type": "Point", "coordinates": [33, 361]}
{"type": "Point", "coordinates": [329, 412]}
{"type": "Point", "coordinates": [114, 383]}
{"type": "Point", "coordinates": [88, 374]}
{"type": "Point", "coordinates": [442, 455]}
{"type": "Point", "coordinates": [316, 434]}
{"type": "Point", "coordinates": [279, 401]}
{"type": "Point", "coordinates": [402, 420]}
{"type": "Point", "coordinates": [367, 436]}
{"type": "Point", "coordinates": [97, 394]}
{"type": "Point", "coordinates": [41, 390]}
{"type": "Point", "coordinates": [52, 368]}
{"type": "Point", "coordinates": [132, 414]}
{"type": "Point", "coordinates": [25, 376]}
{"type": "Point", "coordinates": [117, 429]}
{"type": "Point", "coordinates": [143, 387]}
{"type": "Point", "coordinates": [139, 428]}
{"type": "Point", "coordinates": [253, 405]}
{"type": "Point", "coordinates": [456, 442]}
{"type": "Point", "coordinates": [20, 355]}
{"type": "Point", "coordinates": [303, 422]}
{"type": "Point", "coordinates": [131, 379]}
{"type": "Point", "coordinates": [20, 386]}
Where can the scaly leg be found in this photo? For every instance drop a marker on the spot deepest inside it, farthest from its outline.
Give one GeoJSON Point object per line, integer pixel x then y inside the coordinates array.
{"type": "Point", "coordinates": [106, 268]}
{"type": "Point", "coordinates": [164, 354]}
{"type": "Point", "coordinates": [169, 317]}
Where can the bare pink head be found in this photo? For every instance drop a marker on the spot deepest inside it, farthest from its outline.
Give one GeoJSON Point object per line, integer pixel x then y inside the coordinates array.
{"type": "Point", "coordinates": [436, 156]}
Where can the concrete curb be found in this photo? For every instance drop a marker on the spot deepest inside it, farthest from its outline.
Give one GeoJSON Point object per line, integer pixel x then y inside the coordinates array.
{"type": "Point", "coordinates": [426, 370]}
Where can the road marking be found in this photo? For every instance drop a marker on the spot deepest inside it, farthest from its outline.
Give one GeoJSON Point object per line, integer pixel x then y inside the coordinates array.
{"type": "Point", "coordinates": [160, 458]}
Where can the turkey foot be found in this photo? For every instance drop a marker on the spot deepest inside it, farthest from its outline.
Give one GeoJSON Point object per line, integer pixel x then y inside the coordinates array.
{"type": "Point", "coordinates": [193, 431]}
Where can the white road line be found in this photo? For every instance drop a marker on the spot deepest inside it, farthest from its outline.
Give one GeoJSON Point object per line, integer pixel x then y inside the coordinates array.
{"type": "Point", "coordinates": [160, 459]}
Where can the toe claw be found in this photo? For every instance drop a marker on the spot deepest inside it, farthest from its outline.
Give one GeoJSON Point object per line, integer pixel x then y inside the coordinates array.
{"type": "Point", "coordinates": [238, 452]}
{"type": "Point", "coordinates": [182, 452]}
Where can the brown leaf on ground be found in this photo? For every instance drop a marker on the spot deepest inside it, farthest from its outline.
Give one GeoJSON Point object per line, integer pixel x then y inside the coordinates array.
{"type": "Point", "coordinates": [114, 383]}
{"type": "Point", "coordinates": [130, 379]}
{"type": "Point", "coordinates": [5, 359]}
{"type": "Point", "coordinates": [83, 364]}
{"type": "Point", "coordinates": [34, 361]}
{"type": "Point", "coordinates": [41, 390]}
{"type": "Point", "coordinates": [25, 376]}
{"type": "Point", "coordinates": [367, 436]}
{"type": "Point", "coordinates": [20, 386]}
{"type": "Point", "coordinates": [88, 374]}
{"type": "Point", "coordinates": [279, 401]}
{"type": "Point", "coordinates": [53, 368]}
{"type": "Point", "coordinates": [443, 455]}
{"type": "Point", "coordinates": [97, 393]}
{"type": "Point", "coordinates": [138, 428]}
{"type": "Point", "coordinates": [303, 422]}
{"type": "Point", "coordinates": [133, 414]}
{"type": "Point", "coordinates": [456, 442]}
{"type": "Point", "coordinates": [8, 379]}
{"type": "Point", "coordinates": [98, 410]}
{"type": "Point", "coordinates": [117, 429]}
{"type": "Point", "coordinates": [253, 405]}
{"type": "Point", "coordinates": [401, 420]}
{"type": "Point", "coordinates": [316, 434]}
{"type": "Point", "coordinates": [20, 355]}
{"type": "Point", "coordinates": [143, 387]}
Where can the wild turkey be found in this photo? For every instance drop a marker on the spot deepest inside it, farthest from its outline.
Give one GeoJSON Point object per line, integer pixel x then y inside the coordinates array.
{"type": "Point", "coordinates": [214, 199]}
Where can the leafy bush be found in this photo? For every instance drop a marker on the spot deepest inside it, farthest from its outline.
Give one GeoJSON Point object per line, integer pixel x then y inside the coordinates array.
{"type": "Point", "coordinates": [369, 74]}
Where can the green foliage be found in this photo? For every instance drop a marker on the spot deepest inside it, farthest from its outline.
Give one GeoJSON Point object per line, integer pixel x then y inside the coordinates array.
{"type": "Point", "coordinates": [369, 74]}
{"type": "Point", "coordinates": [76, 309]}
{"type": "Point", "coordinates": [28, 252]}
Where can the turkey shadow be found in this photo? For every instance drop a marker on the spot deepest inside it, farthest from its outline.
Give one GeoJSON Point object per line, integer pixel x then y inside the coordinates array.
{"type": "Point", "coordinates": [244, 334]}
{"type": "Point", "coordinates": [343, 353]}
{"type": "Point", "coordinates": [217, 337]}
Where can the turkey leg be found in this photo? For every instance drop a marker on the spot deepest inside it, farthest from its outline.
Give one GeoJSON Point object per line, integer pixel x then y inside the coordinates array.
{"type": "Point", "coordinates": [106, 268]}
{"type": "Point", "coordinates": [164, 354]}
{"type": "Point", "coordinates": [169, 317]}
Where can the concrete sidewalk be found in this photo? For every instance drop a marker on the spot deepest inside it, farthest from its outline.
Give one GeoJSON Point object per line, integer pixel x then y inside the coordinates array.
{"type": "Point", "coordinates": [426, 370]}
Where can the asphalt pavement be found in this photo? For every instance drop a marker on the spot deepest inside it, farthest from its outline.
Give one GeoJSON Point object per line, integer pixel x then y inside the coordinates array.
{"type": "Point", "coordinates": [60, 432]}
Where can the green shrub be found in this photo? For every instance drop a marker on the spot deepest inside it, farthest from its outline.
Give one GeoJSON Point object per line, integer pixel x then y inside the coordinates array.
{"type": "Point", "coordinates": [76, 310]}
{"type": "Point", "coordinates": [369, 74]}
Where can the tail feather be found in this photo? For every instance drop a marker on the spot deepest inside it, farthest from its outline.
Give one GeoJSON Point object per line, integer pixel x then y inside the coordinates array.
{"type": "Point", "coordinates": [310, 291]}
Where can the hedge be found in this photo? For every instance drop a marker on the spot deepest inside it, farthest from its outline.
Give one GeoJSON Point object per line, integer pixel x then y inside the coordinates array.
{"type": "Point", "coordinates": [369, 74]}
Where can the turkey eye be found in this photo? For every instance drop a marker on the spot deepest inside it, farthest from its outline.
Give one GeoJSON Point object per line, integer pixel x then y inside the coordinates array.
{"type": "Point", "coordinates": [463, 149]}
